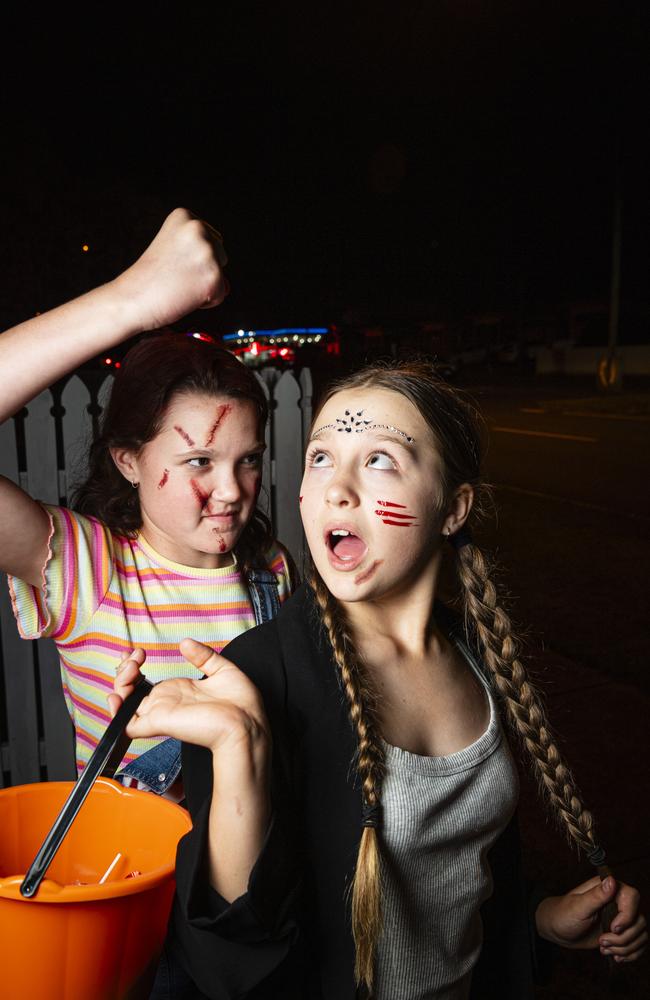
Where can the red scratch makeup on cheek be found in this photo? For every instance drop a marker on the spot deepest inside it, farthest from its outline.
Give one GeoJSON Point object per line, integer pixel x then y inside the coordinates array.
{"type": "Point", "coordinates": [394, 517]}
{"type": "Point", "coordinates": [198, 492]}
{"type": "Point", "coordinates": [184, 435]}
{"type": "Point", "coordinates": [222, 413]}
{"type": "Point", "coordinates": [222, 544]}
{"type": "Point", "coordinates": [367, 573]}
{"type": "Point", "coordinates": [164, 479]}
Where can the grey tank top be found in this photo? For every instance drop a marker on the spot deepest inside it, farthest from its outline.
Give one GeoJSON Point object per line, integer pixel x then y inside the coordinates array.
{"type": "Point", "coordinates": [441, 815]}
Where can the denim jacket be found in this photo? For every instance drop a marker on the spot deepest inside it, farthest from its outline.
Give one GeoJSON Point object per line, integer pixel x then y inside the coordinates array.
{"type": "Point", "coordinates": [159, 767]}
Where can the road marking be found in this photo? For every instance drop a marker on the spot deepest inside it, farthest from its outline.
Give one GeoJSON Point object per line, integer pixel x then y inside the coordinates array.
{"type": "Point", "coordinates": [574, 503]}
{"type": "Point", "coordinates": [545, 434]}
{"type": "Point", "coordinates": [532, 409]}
{"type": "Point", "coordinates": [641, 418]}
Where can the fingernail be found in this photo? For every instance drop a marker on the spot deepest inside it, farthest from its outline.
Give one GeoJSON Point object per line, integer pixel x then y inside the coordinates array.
{"type": "Point", "coordinates": [619, 958]}
{"type": "Point", "coordinates": [606, 944]}
{"type": "Point", "coordinates": [608, 885]}
{"type": "Point", "coordinates": [617, 929]}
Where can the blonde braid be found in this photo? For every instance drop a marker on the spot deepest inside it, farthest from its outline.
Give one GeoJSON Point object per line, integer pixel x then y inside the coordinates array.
{"type": "Point", "coordinates": [366, 886]}
{"type": "Point", "coordinates": [523, 704]}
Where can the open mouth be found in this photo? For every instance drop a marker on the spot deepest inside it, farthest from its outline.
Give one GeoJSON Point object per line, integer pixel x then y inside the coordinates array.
{"type": "Point", "coordinates": [345, 549]}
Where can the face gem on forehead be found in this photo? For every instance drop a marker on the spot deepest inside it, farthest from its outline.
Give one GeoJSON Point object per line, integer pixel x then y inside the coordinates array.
{"type": "Point", "coordinates": [353, 420]}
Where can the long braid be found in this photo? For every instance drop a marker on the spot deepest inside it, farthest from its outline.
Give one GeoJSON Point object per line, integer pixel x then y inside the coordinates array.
{"type": "Point", "coordinates": [523, 704]}
{"type": "Point", "coordinates": [366, 886]}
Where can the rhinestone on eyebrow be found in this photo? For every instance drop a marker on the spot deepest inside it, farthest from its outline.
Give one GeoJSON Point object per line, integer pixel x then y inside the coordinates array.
{"type": "Point", "coordinates": [395, 430]}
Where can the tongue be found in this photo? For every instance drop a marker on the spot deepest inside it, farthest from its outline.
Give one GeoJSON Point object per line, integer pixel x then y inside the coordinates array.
{"type": "Point", "coordinates": [350, 547]}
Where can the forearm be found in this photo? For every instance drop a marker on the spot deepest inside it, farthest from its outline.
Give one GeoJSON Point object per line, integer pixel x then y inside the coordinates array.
{"type": "Point", "coordinates": [239, 815]}
{"type": "Point", "coordinates": [36, 353]}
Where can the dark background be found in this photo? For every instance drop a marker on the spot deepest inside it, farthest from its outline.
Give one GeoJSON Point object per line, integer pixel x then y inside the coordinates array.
{"type": "Point", "coordinates": [395, 164]}
{"type": "Point", "coordinates": [375, 160]}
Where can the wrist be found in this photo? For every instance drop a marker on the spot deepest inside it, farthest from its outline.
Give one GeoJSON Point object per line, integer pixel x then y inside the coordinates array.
{"type": "Point", "coordinates": [244, 758]}
{"type": "Point", "coordinates": [544, 922]}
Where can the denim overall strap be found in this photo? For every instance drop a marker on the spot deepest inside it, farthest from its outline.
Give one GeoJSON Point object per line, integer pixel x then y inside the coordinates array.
{"type": "Point", "coordinates": [263, 589]}
{"type": "Point", "coordinates": [159, 767]}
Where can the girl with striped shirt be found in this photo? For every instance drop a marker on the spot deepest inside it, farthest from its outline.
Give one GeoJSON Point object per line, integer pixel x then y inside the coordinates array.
{"type": "Point", "coordinates": [165, 538]}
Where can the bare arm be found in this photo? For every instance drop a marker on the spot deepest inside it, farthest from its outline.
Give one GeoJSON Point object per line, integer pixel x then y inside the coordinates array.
{"type": "Point", "coordinates": [225, 714]}
{"type": "Point", "coordinates": [179, 272]}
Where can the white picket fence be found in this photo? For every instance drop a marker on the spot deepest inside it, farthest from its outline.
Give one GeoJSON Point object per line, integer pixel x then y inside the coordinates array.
{"type": "Point", "coordinates": [43, 450]}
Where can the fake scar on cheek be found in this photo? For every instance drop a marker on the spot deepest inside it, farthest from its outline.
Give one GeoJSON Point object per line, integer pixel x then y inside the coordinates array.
{"type": "Point", "coordinates": [222, 413]}
{"type": "Point", "coordinates": [222, 544]}
{"type": "Point", "coordinates": [395, 514]}
{"type": "Point", "coordinates": [163, 481]}
{"type": "Point", "coordinates": [198, 493]}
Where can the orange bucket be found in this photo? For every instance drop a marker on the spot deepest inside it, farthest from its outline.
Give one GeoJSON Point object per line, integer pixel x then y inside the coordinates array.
{"type": "Point", "coordinates": [86, 941]}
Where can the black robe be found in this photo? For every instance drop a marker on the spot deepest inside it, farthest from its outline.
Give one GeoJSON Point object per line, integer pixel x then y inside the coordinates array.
{"type": "Point", "coordinates": [289, 936]}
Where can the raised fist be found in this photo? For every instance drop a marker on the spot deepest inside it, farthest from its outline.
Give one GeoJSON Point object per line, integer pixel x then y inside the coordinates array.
{"type": "Point", "coordinates": [180, 271]}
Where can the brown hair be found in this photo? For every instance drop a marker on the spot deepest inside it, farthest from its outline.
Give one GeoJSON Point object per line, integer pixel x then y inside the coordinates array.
{"type": "Point", "coordinates": [457, 431]}
{"type": "Point", "coordinates": [157, 368]}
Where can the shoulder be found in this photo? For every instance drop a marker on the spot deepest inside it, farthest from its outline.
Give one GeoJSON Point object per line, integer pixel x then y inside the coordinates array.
{"type": "Point", "coordinates": [71, 529]}
{"type": "Point", "coordinates": [279, 561]}
{"type": "Point", "coordinates": [287, 644]}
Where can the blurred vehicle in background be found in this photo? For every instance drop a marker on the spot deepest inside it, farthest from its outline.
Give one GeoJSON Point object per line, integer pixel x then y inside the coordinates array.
{"type": "Point", "coordinates": [284, 347]}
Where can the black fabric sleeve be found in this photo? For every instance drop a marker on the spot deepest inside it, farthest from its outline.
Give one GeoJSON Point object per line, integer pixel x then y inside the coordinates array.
{"type": "Point", "coordinates": [229, 949]}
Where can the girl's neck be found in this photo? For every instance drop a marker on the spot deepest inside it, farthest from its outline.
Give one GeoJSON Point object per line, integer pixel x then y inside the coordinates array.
{"type": "Point", "coordinates": [402, 622]}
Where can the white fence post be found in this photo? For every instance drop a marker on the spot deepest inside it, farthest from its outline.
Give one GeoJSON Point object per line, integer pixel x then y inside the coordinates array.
{"type": "Point", "coordinates": [287, 451]}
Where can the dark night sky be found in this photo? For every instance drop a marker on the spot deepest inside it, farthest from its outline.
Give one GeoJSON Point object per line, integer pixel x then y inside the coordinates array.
{"type": "Point", "coordinates": [415, 158]}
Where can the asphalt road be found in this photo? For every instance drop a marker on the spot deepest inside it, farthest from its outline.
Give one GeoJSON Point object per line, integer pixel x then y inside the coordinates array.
{"type": "Point", "coordinates": [572, 493]}
{"type": "Point", "coordinates": [572, 534]}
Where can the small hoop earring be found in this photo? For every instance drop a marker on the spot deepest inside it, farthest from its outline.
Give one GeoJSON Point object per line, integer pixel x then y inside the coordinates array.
{"type": "Point", "coordinates": [134, 484]}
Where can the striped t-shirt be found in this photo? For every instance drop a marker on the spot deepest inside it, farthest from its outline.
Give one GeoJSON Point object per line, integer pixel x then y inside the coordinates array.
{"type": "Point", "coordinates": [104, 594]}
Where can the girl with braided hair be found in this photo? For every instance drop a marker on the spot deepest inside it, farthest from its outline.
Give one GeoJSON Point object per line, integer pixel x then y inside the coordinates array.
{"type": "Point", "coordinates": [352, 791]}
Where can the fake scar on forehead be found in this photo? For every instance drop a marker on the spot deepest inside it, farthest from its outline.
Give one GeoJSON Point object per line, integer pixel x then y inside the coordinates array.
{"type": "Point", "coordinates": [186, 438]}
{"type": "Point", "coordinates": [222, 413]}
{"type": "Point", "coordinates": [353, 421]}
{"type": "Point", "coordinates": [391, 513]}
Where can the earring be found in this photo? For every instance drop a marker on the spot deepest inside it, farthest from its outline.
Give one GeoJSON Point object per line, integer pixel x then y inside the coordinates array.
{"type": "Point", "coordinates": [134, 484]}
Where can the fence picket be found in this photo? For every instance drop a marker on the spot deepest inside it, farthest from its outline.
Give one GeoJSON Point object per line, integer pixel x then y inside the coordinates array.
{"type": "Point", "coordinates": [287, 450]}
{"type": "Point", "coordinates": [77, 429]}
